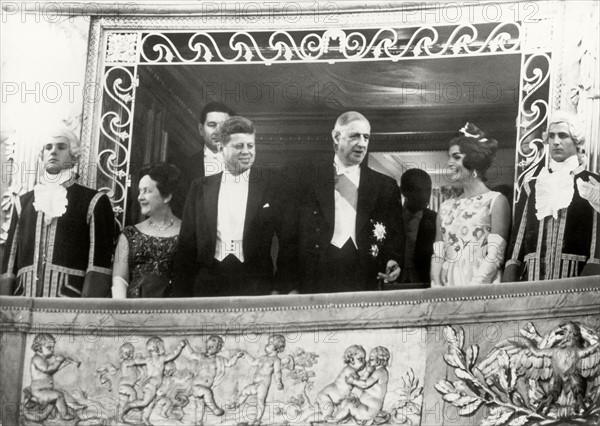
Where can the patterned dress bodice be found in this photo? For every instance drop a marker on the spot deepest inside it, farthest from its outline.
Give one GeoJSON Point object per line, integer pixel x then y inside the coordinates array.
{"type": "Point", "coordinates": [465, 225]}
{"type": "Point", "coordinates": [150, 264]}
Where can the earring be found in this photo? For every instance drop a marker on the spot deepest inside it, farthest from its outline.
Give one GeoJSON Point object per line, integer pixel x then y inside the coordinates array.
{"type": "Point", "coordinates": [474, 174]}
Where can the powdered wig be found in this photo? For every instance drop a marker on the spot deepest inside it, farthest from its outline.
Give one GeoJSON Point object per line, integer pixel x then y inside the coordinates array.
{"type": "Point", "coordinates": [572, 121]}
{"type": "Point", "coordinates": [478, 147]}
{"type": "Point", "coordinates": [46, 134]}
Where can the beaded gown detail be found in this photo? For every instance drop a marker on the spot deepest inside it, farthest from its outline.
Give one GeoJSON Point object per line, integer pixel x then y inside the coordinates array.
{"type": "Point", "coordinates": [465, 225]}
{"type": "Point", "coordinates": [150, 264]}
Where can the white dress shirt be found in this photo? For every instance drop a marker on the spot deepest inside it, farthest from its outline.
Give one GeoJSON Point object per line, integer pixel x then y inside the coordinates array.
{"type": "Point", "coordinates": [231, 214]}
{"type": "Point", "coordinates": [345, 214]}
{"type": "Point", "coordinates": [213, 162]}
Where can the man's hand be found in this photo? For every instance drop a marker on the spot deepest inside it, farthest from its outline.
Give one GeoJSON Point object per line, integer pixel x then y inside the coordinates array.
{"type": "Point", "coordinates": [392, 272]}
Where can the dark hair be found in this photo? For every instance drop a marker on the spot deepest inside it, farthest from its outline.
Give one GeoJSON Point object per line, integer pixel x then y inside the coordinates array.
{"type": "Point", "coordinates": [415, 179]}
{"type": "Point", "coordinates": [166, 176]}
{"type": "Point", "coordinates": [478, 147]}
{"type": "Point", "coordinates": [233, 125]}
{"type": "Point", "coordinates": [215, 107]}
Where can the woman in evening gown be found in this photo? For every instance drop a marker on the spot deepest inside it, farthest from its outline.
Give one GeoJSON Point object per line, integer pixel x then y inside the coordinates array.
{"type": "Point", "coordinates": [472, 229]}
{"type": "Point", "coordinates": [143, 264]}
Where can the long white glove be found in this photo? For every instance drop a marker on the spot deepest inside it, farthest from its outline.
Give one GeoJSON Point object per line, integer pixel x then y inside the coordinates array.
{"type": "Point", "coordinates": [119, 288]}
{"type": "Point", "coordinates": [437, 263]}
{"type": "Point", "coordinates": [493, 260]}
{"type": "Point", "coordinates": [590, 191]}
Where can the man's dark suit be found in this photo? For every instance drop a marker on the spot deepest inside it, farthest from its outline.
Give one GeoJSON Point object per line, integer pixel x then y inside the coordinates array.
{"type": "Point", "coordinates": [195, 262]}
{"type": "Point", "coordinates": [378, 202]}
{"type": "Point", "coordinates": [424, 246]}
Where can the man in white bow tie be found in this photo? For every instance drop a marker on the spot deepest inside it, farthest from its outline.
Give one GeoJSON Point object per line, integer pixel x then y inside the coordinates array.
{"type": "Point", "coordinates": [556, 233]}
{"type": "Point", "coordinates": [61, 234]}
{"type": "Point", "coordinates": [228, 223]}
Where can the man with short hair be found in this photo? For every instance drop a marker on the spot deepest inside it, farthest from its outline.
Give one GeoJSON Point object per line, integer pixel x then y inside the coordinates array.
{"type": "Point", "coordinates": [228, 223]}
{"type": "Point", "coordinates": [419, 227]}
{"type": "Point", "coordinates": [61, 236]}
{"type": "Point", "coordinates": [350, 219]}
{"type": "Point", "coordinates": [556, 233]}
{"type": "Point", "coordinates": [209, 161]}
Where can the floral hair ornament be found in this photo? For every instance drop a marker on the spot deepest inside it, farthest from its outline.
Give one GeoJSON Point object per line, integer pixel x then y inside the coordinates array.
{"type": "Point", "coordinates": [465, 132]}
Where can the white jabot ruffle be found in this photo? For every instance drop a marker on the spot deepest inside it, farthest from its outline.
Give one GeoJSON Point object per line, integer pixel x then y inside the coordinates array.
{"type": "Point", "coordinates": [50, 195]}
{"type": "Point", "coordinates": [554, 191]}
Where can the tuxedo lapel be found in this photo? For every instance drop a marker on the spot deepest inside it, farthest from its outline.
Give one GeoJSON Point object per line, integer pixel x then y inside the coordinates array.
{"type": "Point", "coordinates": [256, 189]}
{"type": "Point", "coordinates": [210, 187]}
{"type": "Point", "coordinates": [367, 194]}
{"type": "Point", "coordinates": [324, 188]}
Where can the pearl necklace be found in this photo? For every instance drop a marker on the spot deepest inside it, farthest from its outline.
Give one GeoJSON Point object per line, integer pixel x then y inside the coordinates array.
{"type": "Point", "coordinates": [163, 227]}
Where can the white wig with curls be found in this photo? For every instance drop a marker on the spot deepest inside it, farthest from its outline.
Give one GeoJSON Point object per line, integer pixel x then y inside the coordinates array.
{"type": "Point", "coordinates": [571, 120]}
{"type": "Point", "coordinates": [60, 131]}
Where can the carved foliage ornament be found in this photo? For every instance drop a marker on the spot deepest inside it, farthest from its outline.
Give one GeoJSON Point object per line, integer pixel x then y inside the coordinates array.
{"type": "Point", "coordinates": [531, 380]}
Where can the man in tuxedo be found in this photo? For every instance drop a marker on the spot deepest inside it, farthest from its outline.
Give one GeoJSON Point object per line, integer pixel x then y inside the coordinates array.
{"type": "Point", "coordinates": [228, 223]}
{"type": "Point", "coordinates": [350, 234]}
{"type": "Point", "coordinates": [419, 228]}
{"type": "Point", "coordinates": [209, 161]}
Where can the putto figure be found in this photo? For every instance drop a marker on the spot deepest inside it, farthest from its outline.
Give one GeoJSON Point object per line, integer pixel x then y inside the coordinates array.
{"type": "Point", "coordinates": [61, 234]}
{"type": "Point", "coordinates": [44, 364]}
{"type": "Point", "coordinates": [268, 366]}
{"type": "Point", "coordinates": [367, 406]}
{"type": "Point", "coordinates": [334, 393]}
{"type": "Point", "coordinates": [155, 370]}
{"type": "Point", "coordinates": [557, 230]}
{"type": "Point", "coordinates": [209, 372]}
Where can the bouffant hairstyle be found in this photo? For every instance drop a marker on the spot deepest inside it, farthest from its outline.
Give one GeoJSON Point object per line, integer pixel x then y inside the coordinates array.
{"type": "Point", "coordinates": [382, 355]}
{"type": "Point", "coordinates": [40, 339]}
{"type": "Point", "coordinates": [215, 107]}
{"type": "Point", "coordinates": [478, 147]}
{"type": "Point", "coordinates": [232, 126]}
{"type": "Point", "coordinates": [166, 176]}
{"type": "Point", "coordinates": [278, 342]}
{"type": "Point", "coordinates": [352, 351]}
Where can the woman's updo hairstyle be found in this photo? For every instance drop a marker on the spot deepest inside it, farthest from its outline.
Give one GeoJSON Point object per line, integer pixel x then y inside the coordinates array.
{"type": "Point", "coordinates": [478, 147]}
{"type": "Point", "coordinates": [167, 177]}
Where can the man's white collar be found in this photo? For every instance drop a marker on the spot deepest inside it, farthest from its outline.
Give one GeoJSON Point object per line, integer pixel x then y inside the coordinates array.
{"type": "Point", "coordinates": [341, 168]}
{"type": "Point", "coordinates": [568, 165]}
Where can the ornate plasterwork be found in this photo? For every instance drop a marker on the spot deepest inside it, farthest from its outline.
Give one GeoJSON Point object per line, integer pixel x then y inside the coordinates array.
{"type": "Point", "coordinates": [121, 47]}
{"type": "Point", "coordinates": [533, 379]}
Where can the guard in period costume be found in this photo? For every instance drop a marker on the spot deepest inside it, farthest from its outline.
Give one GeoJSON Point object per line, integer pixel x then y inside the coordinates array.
{"type": "Point", "coordinates": [557, 228]}
{"type": "Point", "coordinates": [61, 236]}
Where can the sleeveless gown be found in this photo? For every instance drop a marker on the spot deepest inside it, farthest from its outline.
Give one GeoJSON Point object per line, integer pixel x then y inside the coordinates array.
{"type": "Point", "coordinates": [465, 226]}
{"type": "Point", "coordinates": [150, 264]}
